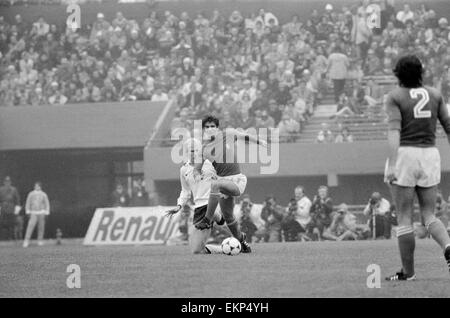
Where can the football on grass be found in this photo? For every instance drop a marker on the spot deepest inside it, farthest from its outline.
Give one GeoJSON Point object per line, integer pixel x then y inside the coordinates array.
{"type": "Point", "coordinates": [231, 246]}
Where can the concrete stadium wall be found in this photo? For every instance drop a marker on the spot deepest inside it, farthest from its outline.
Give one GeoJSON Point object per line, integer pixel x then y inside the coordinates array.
{"type": "Point", "coordinates": [102, 125]}
{"type": "Point", "coordinates": [353, 171]}
{"type": "Point", "coordinates": [351, 189]}
{"type": "Point", "coordinates": [358, 158]}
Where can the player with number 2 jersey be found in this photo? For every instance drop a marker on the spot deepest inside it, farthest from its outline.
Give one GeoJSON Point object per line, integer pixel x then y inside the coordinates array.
{"type": "Point", "coordinates": [414, 112]}
{"type": "Point", "coordinates": [414, 164]}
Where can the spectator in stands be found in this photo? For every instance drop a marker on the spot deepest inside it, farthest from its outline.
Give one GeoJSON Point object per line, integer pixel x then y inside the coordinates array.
{"type": "Point", "coordinates": [159, 95]}
{"type": "Point", "coordinates": [264, 121]}
{"type": "Point", "coordinates": [247, 225]}
{"type": "Point", "coordinates": [9, 207]}
{"type": "Point", "coordinates": [373, 65]}
{"type": "Point", "coordinates": [275, 111]}
{"type": "Point", "coordinates": [378, 207]}
{"type": "Point", "coordinates": [325, 135]}
{"type": "Point", "coordinates": [406, 14]}
{"type": "Point", "coordinates": [343, 136]}
{"type": "Point", "coordinates": [338, 64]}
{"type": "Point", "coordinates": [120, 21]}
{"type": "Point", "coordinates": [272, 214]}
{"type": "Point", "coordinates": [288, 129]}
{"type": "Point", "coordinates": [320, 63]}
{"type": "Point", "coordinates": [91, 93]}
{"type": "Point", "coordinates": [57, 98]}
{"type": "Point", "coordinates": [361, 34]}
{"type": "Point", "coordinates": [100, 29]}
{"type": "Point", "coordinates": [355, 71]}
{"type": "Point", "coordinates": [119, 198]}
{"type": "Point", "coordinates": [345, 107]}
{"type": "Point", "coordinates": [313, 89]}
{"type": "Point", "coordinates": [374, 92]}
{"type": "Point", "coordinates": [194, 97]}
{"type": "Point", "coordinates": [40, 27]}
{"type": "Point", "coordinates": [321, 210]}
{"type": "Point", "coordinates": [298, 102]}
{"type": "Point", "coordinates": [36, 97]}
{"type": "Point", "coordinates": [37, 207]}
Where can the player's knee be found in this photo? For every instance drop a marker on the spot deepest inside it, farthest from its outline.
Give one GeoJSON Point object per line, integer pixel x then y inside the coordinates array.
{"type": "Point", "coordinates": [427, 215]}
{"type": "Point", "coordinates": [429, 219]}
{"type": "Point", "coordinates": [215, 186]}
{"type": "Point", "coordinates": [404, 219]}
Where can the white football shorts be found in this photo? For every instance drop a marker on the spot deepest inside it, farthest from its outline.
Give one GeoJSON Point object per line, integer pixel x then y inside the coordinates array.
{"type": "Point", "coordinates": [417, 166]}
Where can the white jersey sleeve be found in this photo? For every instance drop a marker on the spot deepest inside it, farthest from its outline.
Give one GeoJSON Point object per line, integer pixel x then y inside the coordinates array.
{"type": "Point", "coordinates": [185, 193]}
{"type": "Point", "coordinates": [200, 187]}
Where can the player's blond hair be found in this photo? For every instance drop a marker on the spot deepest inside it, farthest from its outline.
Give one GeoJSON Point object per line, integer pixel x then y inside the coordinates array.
{"type": "Point", "coordinates": [189, 144]}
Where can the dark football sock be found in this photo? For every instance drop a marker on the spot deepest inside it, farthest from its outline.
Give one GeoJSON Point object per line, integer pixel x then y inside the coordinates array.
{"type": "Point", "coordinates": [233, 225]}
{"type": "Point", "coordinates": [407, 245]}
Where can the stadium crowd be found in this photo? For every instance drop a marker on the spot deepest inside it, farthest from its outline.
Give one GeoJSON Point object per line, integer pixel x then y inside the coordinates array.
{"type": "Point", "coordinates": [250, 71]}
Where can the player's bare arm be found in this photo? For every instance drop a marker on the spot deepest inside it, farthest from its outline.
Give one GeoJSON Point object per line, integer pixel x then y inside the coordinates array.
{"type": "Point", "coordinates": [394, 120]}
{"type": "Point", "coordinates": [247, 138]}
{"type": "Point", "coordinates": [444, 117]}
{"type": "Point", "coordinates": [394, 144]}
{"type": "Point", "coordinates": [185, 195]}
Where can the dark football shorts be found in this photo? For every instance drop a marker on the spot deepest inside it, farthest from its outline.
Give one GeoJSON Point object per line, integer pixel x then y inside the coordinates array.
{"type": "Point", "coordinates": [199, 213]}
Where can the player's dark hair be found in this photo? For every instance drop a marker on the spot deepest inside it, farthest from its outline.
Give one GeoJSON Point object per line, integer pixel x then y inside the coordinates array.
{"type": "Point", "coordinates": [409, 71]}
{"type": "Point", "coordinates": [210, 119]}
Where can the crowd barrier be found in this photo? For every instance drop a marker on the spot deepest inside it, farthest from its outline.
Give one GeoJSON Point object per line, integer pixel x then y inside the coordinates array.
{"type": "Point", "coordinates": [150, 226]}
{"type": "Point", "coordinates": [131, 226]}
{"type": "Point", "coordinates": [144, 225]}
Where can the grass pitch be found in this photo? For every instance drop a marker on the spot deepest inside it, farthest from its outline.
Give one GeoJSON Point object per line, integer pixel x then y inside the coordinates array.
{"type": "Point", "coordinates": [312, 269]}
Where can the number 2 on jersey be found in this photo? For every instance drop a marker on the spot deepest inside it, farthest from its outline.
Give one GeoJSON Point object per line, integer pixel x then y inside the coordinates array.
{"type": "Point", "coordinates": [421, 93]}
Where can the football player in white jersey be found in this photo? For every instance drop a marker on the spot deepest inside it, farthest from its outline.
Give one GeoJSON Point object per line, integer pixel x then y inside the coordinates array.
{"type": "Point", "coordinates": [199, 186]}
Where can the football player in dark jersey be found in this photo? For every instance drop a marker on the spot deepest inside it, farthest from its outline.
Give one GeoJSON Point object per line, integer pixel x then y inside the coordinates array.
{"type": "Point", "coordinates": [220, 147]}
{"type": "Point", "coordinates": [413, 166]}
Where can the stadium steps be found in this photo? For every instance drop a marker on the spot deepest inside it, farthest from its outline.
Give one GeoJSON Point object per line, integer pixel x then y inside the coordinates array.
{"type": "Point", "coordinates": [325, 110]}
{"type": "Point", "coordinates": [369, 125]}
